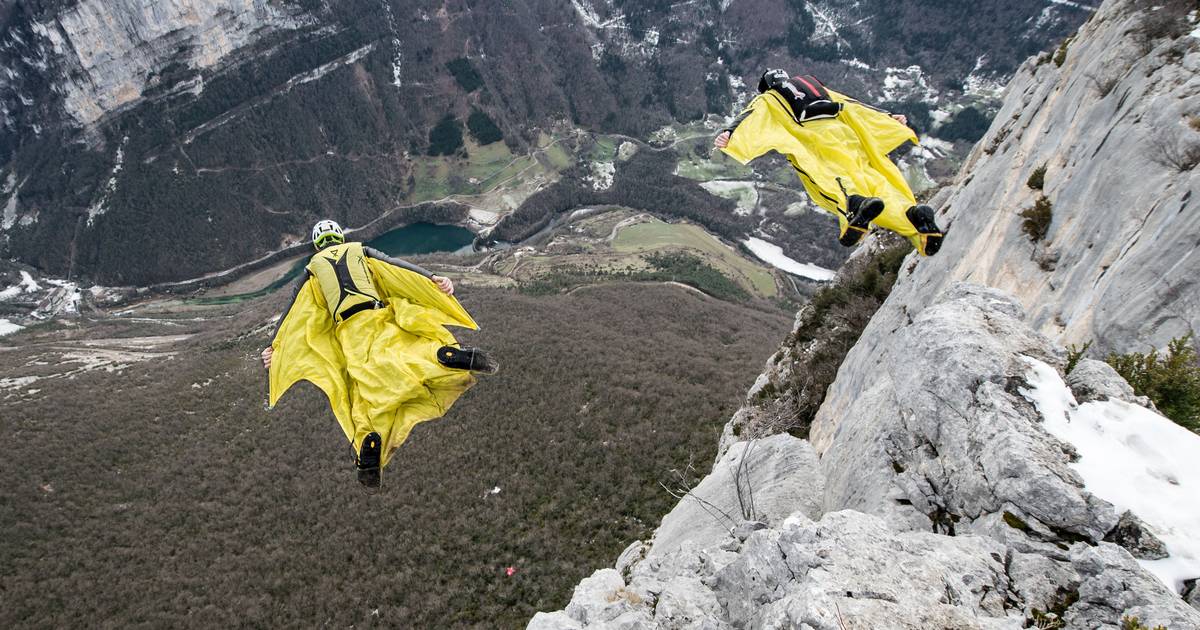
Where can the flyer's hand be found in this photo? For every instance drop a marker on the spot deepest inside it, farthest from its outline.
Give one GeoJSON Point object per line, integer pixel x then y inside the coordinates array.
{"type": "Point", "coordinates": [443, 284]}
{"type": "Point", "coordinates": [722, 140]}
{"type": "Point", "coordinates": [901, 118]}
{"type": "Point", "coordinates": [267, 353]}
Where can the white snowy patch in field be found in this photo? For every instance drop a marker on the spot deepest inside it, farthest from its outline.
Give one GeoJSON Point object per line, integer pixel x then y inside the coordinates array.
{"type": "Point", "coordinates": [484, 217]}
{"type": "Point", "coordinates": [19, 381]}
{"type": "Point", "coordinates": [9, 218]}
{"type": "Point", "coordinates": [8, 328]}
{"type": "Point", "coordinates": [797, 208]}
{"type": "Point", "coordinates": [666, 135]}
{"type": "Point", "coordinates": [855, 63]}
{"type": "Point", "coordinates": [977, 84]}
{"type": "Point", "coordinates": [1074, 5]}
{"type": "Point", "coordinates": [97, 208]}
{"type": "Point", "coordinates": [601, 175]}
{"type": "Point", "coordinates": [939, 116]}
{"type": "Point", "coordinates": [773, 255]}
{"type": "Point", "coordinates": [744, 193]}
{"type": "Point", "coordinates": [931, 148]}
{"type": "Point", "coordinates": [825, 26]}
{"type": "Point", "coordinates": [906, 84]}
{"type": "Point", "coordinates": [916, 174]}
{"type": "Point", "coordinates": [1133, 458]}
{"type": "Point", "coordinates": [589, 15]}
{"type": "Point", "coordinates": [26, 285]}
{"type": "Point", "coordinates": [652, 37]}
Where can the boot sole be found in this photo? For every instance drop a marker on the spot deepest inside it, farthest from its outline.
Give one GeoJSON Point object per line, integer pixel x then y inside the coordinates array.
{"type": "Point", "coordinates": [869, 211]}
{"type": "Point", "coordinates": [923, 219]}
{"type": "Point", "coordinates": [369, 473]}
{"type": "Point", "coordinates": [465, 359]}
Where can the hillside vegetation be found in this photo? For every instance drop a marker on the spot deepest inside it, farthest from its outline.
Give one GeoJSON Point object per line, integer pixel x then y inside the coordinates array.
{"type": "Point", "coordinates": [179, 502]}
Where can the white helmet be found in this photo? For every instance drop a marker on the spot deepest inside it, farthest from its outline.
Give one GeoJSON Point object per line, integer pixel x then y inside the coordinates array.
{"type": "Point", "coordinates": [327, 233]}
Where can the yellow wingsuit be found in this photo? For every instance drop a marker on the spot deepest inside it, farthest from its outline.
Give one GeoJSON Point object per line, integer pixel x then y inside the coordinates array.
{"type": "Point", "coordinates": [378, 368]}
{"type": "Point", "coordinates": [834, 157]}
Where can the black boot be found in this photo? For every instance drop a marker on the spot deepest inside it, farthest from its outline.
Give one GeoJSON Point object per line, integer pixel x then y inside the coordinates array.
{"type": "Point", "coordinates": [472, 359]}
{"type": "Point", "coordinates": [863, 210]}
{"type": "Point", "coordinates": [369, 455]}
{"type": "Point", "coordinates": [922, 218]}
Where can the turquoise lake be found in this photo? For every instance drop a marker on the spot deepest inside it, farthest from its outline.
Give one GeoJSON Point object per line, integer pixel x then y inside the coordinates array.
{"type": "Point", "coordinates": [416, 238]}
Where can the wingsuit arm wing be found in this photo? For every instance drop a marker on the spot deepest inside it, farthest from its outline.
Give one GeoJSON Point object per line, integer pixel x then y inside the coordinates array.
{"type": "Point", "coordinates": [371, 252]}
{"type": "Point", "coordinates": [396, 282]}
{"type": "Point", "coordinates": [877, 126]}
{"type": "Point", "coordinates": [306, 349]}
{"type": "Point", "coordinates": [297, 288]}
{"type": "Point", "coordinates": [753, 134]}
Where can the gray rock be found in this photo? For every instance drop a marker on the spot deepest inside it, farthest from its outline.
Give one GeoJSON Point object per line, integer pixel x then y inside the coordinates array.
{"type": "Point", "coordinates": [687, 603]}
{"type": "Point", "coordinates": [1096, 380]}
{"type": "Point", "coordinates": [1131, 533]}
{"type": "Point", "coordinates": [557, 620]}
{"type": "Point", "coordinates": [602, 598]}
{"type": "Point", "coordinates": [926, 426]}
{"type": "Point", "coordinates": [1114, 585]}
{"type": "Point", "coordinates": [631, 556]}
{"type": "Point", "coordinates": [1191, 593]}
{"type": "Point", "coordinates": [764, 480]}
{"type": "Point", "coordinates": [850, 570]}
{"type": "Point", "coordinates": [743, 530]}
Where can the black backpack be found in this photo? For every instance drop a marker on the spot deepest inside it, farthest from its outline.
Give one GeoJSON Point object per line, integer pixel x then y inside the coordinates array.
{"type": "Point", "coordinates": [807, 96]}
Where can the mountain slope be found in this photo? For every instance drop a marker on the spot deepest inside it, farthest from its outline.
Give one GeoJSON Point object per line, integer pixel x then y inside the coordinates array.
{"type": "Point", "coordinates": [151, 142]}
{"type": "Point", "coordinates": [937, 487]}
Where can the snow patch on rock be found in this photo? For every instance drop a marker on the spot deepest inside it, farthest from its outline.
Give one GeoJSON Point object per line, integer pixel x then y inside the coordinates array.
{"type": "Point", "coordinates": [1135, 459]}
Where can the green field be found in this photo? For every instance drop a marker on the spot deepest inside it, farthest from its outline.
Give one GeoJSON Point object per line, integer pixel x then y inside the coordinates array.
{"type": "Point", "coordinates": [719, 166]}
{"type": "Point", "coordinates": [657, 235]}
{"type": "Point", "coordinates": [490, 165]}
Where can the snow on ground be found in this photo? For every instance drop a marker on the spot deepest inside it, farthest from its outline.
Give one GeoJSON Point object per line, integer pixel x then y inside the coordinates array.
{"type": "Point", "coordinates": [904, 84]}
{"type": "Point", "coordinates": [1135, 459]}
{"type": "Point", "coordinates": [1074, 5]}
{"type": "Point", "coordinates": [20, 381]}
{"type": "Point", "coordinates": [26, 285]}
{"type": "Point", "coordinates": [744, 193]}
{"type": "Point", "coordinates": [484, 217]}
{"type": "Point", "coordinates": [98, 207]}
{"type": "Point", "coordinates": [601, 176]}
{"type": "Point", "coordinates": [773, 255]}
{"type": "Point", "coordinates": [8, 328]}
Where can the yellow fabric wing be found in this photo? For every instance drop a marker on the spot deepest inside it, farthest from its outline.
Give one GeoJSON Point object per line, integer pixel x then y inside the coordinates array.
{"type": "Point", "coordinates": [307, 350]}
{"type": "Point", "coordinates": [394, 282]}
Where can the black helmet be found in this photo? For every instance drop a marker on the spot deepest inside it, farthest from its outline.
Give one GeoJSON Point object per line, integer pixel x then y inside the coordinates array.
{"type": "Point", "coordinates": [772, 78]}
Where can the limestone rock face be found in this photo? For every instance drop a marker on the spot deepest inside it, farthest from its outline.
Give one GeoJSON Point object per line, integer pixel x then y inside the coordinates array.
{"type": "Point", "coordinates": [108, 51]}
{"type": "Point", "coordinates": [930, 496]}
{"type": "Point", "coordinates": [1119, 265]}
{"type": "Point", "coordinates": [1097, 380]}
{"type": "Point", "coordinates": [762, 480]}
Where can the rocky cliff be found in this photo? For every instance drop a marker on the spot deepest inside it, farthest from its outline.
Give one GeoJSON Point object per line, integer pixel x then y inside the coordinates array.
{"type": "Point", "coordinates": [944, 482]}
